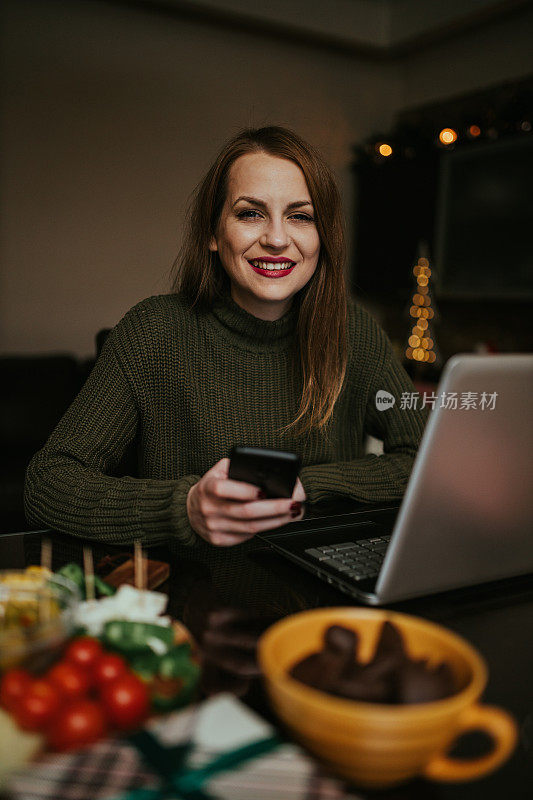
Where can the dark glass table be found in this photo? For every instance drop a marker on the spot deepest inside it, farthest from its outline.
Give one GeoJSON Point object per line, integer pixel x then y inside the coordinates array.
{"type": "Point", "coordinates": [227, 599]}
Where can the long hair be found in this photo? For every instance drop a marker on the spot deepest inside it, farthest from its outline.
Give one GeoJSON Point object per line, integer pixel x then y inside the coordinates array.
{"type": "Point", "coordinates": [321, 351]}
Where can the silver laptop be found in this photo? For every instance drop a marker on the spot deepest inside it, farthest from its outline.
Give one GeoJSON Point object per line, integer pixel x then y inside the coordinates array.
{"type": "Point", "coordinates": [467, 514]}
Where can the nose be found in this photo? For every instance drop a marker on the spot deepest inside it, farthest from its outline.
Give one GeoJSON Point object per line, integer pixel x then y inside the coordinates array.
{"type": "Point", "coordinates": [274, 234]}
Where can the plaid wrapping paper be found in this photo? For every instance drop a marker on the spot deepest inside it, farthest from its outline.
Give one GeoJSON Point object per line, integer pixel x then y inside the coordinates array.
{"type": "Point", "coordinates": [114, 769]}
{"type": "Point", "coordinates": [106, 769]}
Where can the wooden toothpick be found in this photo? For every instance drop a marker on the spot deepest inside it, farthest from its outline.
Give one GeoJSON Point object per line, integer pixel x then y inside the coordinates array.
{"type": "Point", "coordinates": [46, 564]}
{"type": "Point", "coordinates": [46, 554]}
{"type": "Point", "coordinates": [139, 566]}
{"type": "Point", "coordinates": [88, 568]}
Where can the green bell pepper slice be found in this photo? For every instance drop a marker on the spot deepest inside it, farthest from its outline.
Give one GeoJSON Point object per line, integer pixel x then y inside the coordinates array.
{"type": "Point", "coordinates": [75, 574]}
{"type": "Point", "coordinates": [136, 637]}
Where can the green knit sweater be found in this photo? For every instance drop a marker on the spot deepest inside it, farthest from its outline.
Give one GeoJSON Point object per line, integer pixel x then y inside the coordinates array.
{"type": "Point", "coordinates": [187, 386]}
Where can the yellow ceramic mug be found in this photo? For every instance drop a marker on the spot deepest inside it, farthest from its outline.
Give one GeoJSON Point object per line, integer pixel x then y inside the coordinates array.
{"type": "Point", "coordinates": [378, 745]}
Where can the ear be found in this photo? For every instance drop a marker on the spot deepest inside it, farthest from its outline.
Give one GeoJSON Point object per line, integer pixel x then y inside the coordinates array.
{"type": "Point", "coordinates": [213, 246]}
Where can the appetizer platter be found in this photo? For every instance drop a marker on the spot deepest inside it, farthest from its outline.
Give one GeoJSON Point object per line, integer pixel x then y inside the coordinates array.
{"type": "Point", "coordinates": [81, 659]}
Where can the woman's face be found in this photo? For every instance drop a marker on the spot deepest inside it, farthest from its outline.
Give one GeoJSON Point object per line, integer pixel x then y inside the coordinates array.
{"type": "Point", "coordinates": [267, 221]}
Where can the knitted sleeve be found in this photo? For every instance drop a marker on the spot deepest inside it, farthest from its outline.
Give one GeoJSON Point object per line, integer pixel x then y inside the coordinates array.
{"type": "Point", "coordinates": [68, 484]}
{"type": "Point", "coordinates": [375, 478]}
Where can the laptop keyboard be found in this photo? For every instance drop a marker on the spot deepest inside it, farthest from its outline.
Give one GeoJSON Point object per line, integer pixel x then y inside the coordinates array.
{"type": "Point", "coordinates": [355, 560]}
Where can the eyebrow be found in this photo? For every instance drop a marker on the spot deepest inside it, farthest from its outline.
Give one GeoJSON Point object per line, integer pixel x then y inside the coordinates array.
{"type": "Point", "coordinates": [256, 201]}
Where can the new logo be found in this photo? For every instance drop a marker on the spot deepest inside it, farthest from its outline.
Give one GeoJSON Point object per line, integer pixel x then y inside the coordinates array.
{"type": "Point", "coordinates": [384, 400]}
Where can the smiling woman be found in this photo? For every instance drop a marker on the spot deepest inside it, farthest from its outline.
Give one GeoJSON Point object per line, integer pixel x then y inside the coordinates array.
{"type": "Point", "coordinates": [269, 194]}
{"type": "Point", "coordinates": [258, 344]}
{"type": "Point", "coordinates": [260, 233]}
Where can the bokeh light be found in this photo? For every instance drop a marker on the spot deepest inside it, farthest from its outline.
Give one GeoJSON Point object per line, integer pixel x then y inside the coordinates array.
{"type": "Point", "coordinates": [447, 136]}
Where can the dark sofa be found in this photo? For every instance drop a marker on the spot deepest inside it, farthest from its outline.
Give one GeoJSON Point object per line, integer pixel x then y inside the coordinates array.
{"type": "Point", "coordinates": [37, 390]}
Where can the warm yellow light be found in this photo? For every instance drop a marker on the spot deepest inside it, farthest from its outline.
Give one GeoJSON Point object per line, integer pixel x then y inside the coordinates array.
{"type": "Point", "coordinates": [429, 344]}
{"type": "Point", "coordinates": [429, 313]}
{"type": "Point", "coordinates": [426, 356]}
{"type": "Point", "coordinates": [417, 330]}
{"type": "Point", "coordinates": [409, 352]}
{"type": "Point", "coordinates": [414, 311]}
{"type": "Point", "coordinates": [422, 323]}
{"type": "Point", "coordinates": [431, 357]}
{"type": "Point", "coordinates": [447, 136]}
{"type": "Point", "coordinates": [423, 262]}
{"type": "Point", "coordinates": [385, 150]}
{"type": "Point", "coordinates": [414, 341]}
{"type": "Point", "coordinates": [417, 270]}
{"type": "Point", "coordinates": [418, 300]}
{"type": "Point", "coordinates": [474, 130]}
{"type": "Point", "coordinates": [422, 280]}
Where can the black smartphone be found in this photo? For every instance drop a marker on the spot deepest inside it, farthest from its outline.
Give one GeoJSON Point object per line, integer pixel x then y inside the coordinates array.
{"type": "Point", "coordinates": [273, 471]}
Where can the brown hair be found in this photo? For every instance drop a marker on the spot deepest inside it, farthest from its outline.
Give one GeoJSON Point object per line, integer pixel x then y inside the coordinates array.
{"type": "Point", "coordinates": [321, 328]}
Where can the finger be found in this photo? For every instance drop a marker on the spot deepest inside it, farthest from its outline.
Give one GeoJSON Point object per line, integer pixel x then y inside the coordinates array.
{"type": "Point", "coordinates": [258, 509]}
{"type": "Point", "coordinates": [220, 469]}
{"type": "Point", "coordinates": [299, 491]}
{"type": "Point", "coordinates": [226, 489]}
{"type": "Point", "coordinates": [233, 527]}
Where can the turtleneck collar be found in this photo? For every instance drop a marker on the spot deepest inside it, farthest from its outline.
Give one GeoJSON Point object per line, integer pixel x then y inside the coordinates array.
{"type": "Point", "coordinates": [251, 332]}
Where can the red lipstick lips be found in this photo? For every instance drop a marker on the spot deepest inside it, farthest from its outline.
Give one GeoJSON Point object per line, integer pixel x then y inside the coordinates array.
{"type": "Point", "coordinates": [272, 273]}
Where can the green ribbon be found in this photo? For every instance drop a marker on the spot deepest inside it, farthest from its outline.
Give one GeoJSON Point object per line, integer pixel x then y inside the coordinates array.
{"type": "Point", "coordinates": [180, 781]}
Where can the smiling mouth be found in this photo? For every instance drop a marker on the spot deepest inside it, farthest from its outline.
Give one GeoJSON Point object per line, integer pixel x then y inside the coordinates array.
{"type": "Point", "coordinates": [270, 268]}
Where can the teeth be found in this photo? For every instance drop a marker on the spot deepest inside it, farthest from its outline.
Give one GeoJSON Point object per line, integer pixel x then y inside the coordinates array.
{"type": "Point", "coordinates": [269, 266]}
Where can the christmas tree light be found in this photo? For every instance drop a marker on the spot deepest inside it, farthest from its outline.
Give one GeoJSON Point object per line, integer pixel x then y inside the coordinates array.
{"type": "Point", "coordinates": [421, 344]}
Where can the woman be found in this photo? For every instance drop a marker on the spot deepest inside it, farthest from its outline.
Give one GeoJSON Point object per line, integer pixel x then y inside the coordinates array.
{"type": "Point", "coordinates": [256, 344]}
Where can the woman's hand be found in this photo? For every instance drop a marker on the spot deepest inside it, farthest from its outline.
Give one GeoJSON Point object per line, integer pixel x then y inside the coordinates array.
{"type": "Point", "coordinates": [226, 512]}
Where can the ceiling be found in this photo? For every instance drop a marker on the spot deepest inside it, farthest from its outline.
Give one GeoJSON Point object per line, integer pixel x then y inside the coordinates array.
{"type": "Point", "coordinates": [378, 28]}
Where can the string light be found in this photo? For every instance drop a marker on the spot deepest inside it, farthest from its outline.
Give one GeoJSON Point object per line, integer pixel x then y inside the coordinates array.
{"type": "Point", "coordinates": [447, 136]}
{"type": "Point", "coordinates": [420, 342]}
{"type": "Point", "coordinates": [384, 149]}
{"type": "Point", "coordinates": [491, 122]}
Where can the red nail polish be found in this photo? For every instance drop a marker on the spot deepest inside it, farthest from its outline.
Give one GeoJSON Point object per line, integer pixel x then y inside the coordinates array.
{"type": "Point", "coordinates": [261, 495]}
{"type": "Point", "coordinates": [296, 507]}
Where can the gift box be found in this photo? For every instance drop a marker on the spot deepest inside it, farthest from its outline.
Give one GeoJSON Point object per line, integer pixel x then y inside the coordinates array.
{"type": "Point", "coordinates": [215, 750]}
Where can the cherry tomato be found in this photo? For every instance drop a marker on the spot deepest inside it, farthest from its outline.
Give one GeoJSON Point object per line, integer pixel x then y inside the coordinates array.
{"type": "Point", "coordinates": [83, 651]}
{"type": "Point", "coordinates": [15, 683]}
{"type": "Point", "coordinates": [71, 680]}
{"type": "Point", "coordinates": [126, 701]}
{"type": "Point", "coordinates": [37, 707]}
{"type": "Point", "coordinates": [108, 667]}
{"type": "Point", "coordinates": [78, 723]}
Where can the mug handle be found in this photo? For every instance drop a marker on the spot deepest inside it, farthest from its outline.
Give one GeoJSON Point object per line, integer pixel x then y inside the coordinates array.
{"type": "Point", "coordinates": [498, 724]}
